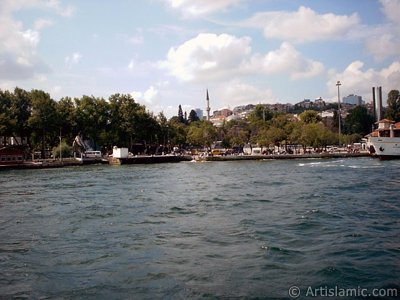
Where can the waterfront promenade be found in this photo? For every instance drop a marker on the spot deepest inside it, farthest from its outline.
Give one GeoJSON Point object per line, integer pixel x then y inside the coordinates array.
{"type": "Point", "coordinates": [282, 156]}
{"type": "Point", "coordinates": [68, 162]}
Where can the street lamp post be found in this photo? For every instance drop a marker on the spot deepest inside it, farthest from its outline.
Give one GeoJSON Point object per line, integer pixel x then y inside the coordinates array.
{"type": "Point", "coordinates": [338, 84]}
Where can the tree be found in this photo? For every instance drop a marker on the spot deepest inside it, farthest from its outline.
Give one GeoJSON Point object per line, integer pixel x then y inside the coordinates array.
{"type": "Point", "coordinates": [260, 113]}
{"type": "Point", "coordinates": [310, 116]}
{"type": "Point", "coordinates": [92, 118]}
{"type": "Point", "coordinates": [43, 121]}
{"type": "Point", "coordinates": [393, 109]}
{"type": "Point", "coordinates": [164, 128]}
{"type": "Point", "coordinates": [193, 117]}
{"type": "Point", "coordinates": [271, 136]}
{"type": "Point", "coordinates": [7, 120]}
{"type": "Point", "coordinates": [177, 132]}
{"type": "Point", "coordinates": [67, 117]}
{"type": "Point", "coordinates": [358, 121]}
{"type": "Point", "coordinates": [237, 132]}
{"type": "Point", "coordinates": [201, 133]}
{"type": "Point", "coordinates": [21, 111]}
{"type": "Point", "coordinates": [180, 114]}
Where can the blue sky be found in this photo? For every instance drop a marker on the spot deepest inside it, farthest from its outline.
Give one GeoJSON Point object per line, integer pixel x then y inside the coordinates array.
{"type": "Point", "coordinates": [168, 52]}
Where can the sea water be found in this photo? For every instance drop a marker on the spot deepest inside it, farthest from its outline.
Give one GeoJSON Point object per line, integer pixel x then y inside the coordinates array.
{"type": "Point", "coordinates": [217, 230]}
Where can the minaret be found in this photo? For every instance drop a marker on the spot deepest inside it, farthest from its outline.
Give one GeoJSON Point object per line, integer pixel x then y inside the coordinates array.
{"type": "Point", "coordinates": [208, 106]}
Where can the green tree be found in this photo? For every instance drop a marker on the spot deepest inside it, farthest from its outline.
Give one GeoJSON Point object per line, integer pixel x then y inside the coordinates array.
{"type": "Point", "coordinates": [358, 121]}
{"type": "Point", "coordinates": [201, 133]}
{"type": "Point", "coordinates": [177, 132]}
{"type": "Point", "coordinates": [260, 113]}
{"type": "Point", "coordinates": [66, 150]}
{"type": "Point", "coordinates": [21, 111]}
{"type": "Point", "coordinates": [193, 117]}
{"type": "Point", "coordinates": [43, 121]}
{"type": "Point", "coordinates": [271, 136]}
{"type": "Point", "coordinates": [237, 132]}
{"type": "Point", "coordinates": [180, 114]}
{"type": "Point", "coordinates": [92, 118]}
{"type": "Point", "coordinates": [310, 116]}
{"type": "Point", "coordinates": [67, 119]}
{"type": "Point", "coordinates": [164, 129]}
{"type": "Point", "coordinates": [7, 120]}
{"type": "Point", "coordinates": [393, 109]}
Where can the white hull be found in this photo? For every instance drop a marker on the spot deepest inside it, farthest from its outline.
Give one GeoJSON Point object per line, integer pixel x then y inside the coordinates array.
{"type": "Point", "coordinates": [385, 147]}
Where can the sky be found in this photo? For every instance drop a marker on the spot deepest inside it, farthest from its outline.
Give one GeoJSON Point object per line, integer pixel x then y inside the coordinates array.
{"type": "Point", "coordinates": [167, 53]}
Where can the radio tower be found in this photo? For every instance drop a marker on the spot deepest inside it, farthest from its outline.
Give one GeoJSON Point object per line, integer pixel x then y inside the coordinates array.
{"type": "Point", "coordinates": [208, 106]}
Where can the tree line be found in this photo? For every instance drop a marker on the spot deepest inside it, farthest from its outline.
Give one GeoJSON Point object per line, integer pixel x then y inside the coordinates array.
{"type": "Point", "coordinates": [121, 121]}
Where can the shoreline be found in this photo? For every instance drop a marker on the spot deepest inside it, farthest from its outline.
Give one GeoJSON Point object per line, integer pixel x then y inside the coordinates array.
{"type": "Point", "coordinates": [284, 156]}
{"type": "Point", "coordinates": [159, 159]}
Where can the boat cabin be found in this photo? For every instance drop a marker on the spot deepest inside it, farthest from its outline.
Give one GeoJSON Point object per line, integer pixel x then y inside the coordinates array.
{"type": "Point", "coordinates": [11, 155]}
{"type": "Point", "coordinates": [387, 128]}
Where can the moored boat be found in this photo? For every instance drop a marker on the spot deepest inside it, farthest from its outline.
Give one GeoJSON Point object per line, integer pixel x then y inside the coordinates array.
{"type": "Point", "coordinates": [384, 142]}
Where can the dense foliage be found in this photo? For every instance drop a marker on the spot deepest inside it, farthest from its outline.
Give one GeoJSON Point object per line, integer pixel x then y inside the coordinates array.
{"type": "Point", "coordinates": [121, 121]}
{"type": "Point", "coordinates": [393, 109]}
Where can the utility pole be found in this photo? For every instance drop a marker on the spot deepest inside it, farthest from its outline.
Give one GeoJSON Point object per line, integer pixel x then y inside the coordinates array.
{"type": "Point", "coordinates": [60, 147]}
{"type": "Point", "coordinates": [338, 84]}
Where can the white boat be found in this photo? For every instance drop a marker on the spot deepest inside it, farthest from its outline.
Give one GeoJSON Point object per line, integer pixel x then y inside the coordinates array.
{"type": "Point", "coordinates": [384, 142]}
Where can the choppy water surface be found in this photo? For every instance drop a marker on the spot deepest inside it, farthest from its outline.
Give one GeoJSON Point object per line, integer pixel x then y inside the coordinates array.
{"type": "Point", "coordinates": [199, 230]}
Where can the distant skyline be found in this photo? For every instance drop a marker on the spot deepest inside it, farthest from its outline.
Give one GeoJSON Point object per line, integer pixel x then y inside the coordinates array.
{"type": "Point", "coordinates": [169, 52]}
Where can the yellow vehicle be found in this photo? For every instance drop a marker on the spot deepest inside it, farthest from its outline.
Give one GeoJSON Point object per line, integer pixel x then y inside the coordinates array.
{"type": "Point", "coordinates": [218, 152]}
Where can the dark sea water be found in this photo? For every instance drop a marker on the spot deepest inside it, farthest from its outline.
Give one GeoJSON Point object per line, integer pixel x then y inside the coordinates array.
{"type": "Point", "coordinates": [222, 230]}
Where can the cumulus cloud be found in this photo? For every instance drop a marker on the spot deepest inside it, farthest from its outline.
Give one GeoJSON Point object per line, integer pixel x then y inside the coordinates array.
{"type": "Point", "coordinates": [73, 59]}
{"type": "Point", "coordinates": [146, 97]}
{"type": "Point", "coordinates": [391, 9]}
{"type": "Point", "coordinates": [42, 23]}
{"type": "Point", "coordinates": [286, 59]}
{"type": "Point", "coordinates": [207, 56]}
{"type": "Point", "coordinates": [131, 64]}
{"type": "Point", "coordinates": [216, 57]}
{"type": "Point", "coordinates": [65, 11]}
{"type": "Point", "coordinates": [304, 25]}
{"type": "Point", "coordinates": [383, 41]}
{"type": "Point", "coordinates": [355, 80]}
{"type": "Point", "coordinates": [236, 92]}
{"type": "Point", "coordinates": [18, 56]}
{"type": "Point", "coordinates": [201, 7]}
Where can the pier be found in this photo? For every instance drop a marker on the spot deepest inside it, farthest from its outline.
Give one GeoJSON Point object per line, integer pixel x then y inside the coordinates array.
{"type": "Point", "coordinates": [283, 156]}
{"type": "Point", "coordinates": [149, 159]}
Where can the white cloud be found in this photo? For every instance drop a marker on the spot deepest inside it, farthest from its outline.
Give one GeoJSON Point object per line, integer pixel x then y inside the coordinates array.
{"type": "Point", "coordinates": [65, 11]}
{"type": "Point", "coordinates": [355, 80]}
{"type": "Point", "coordinates": [131, 64]}
{"type": "Point", "coordinates": [383, 41]}
{"type": "Point", "coordinates": [304, 25]}
{"type": "Point", "coordinates": [391, 9]}
{"type": "Point", "coordinates": [146, 97]}
{"type": "Point", "coordinates": [42, 23]}
{"type": "Point", "coordinates": [210, 57]}
{"type": "Point", "coordinates": [286, 59]}
{"type": "Point", "coordinates": [150, 94]}
{"type": "Point", "coordinates": [207, 57]}
{"type": "Point", "coordinates": [18, 55]}
{"type": "Point", "coordinates": [74, 59]}
{"type": "Point", "coordinates": [236, 92]}
{"type": "Point", "coordinates": [201, 7]}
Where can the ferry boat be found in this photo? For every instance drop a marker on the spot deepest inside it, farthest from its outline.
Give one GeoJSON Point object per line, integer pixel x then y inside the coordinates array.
{"type": "Point", "coordinates": [384, 142]}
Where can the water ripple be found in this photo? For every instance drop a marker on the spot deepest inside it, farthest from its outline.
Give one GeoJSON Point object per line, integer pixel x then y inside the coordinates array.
{"type": "Point", "coordinates": [242, 230]}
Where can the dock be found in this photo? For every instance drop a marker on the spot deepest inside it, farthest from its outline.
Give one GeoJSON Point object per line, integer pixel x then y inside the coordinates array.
{"type": "Point", "coordinates": [284, 156]}
{"type": "Point", "coordinates": [149, 159]}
